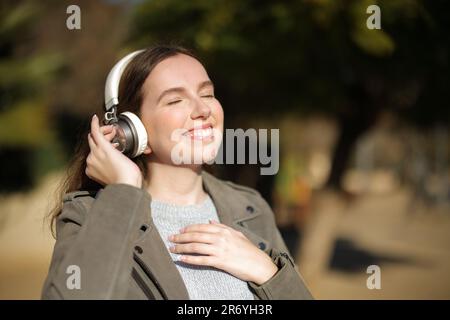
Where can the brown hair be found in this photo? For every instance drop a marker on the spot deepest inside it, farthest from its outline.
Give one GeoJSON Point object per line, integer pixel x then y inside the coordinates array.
{"type": "Point", "coordinates": [130, 99]}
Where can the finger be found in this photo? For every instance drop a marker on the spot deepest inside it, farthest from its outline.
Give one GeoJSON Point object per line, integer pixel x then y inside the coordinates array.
{"type": "Point", "coordinates": [199, 248]}
{"type": "Point", "coordinates": [95, 132]}
{"type": "Point", "coordinates": [216, 223]}
{"type": "Point", "coordinates": [193, 237]}
{"type": "Point", "coordinates": [94, 128]}
{"type": "Point", "coordinates": [110, 135]}
{"type": "Point", "coordinates": [200, 260]}
{"type": "Point", "coordinates": [91, 142]}
{"type": "Point", "coordinates": [209, 228]}
{"type": "Point", "coordinates": [106, 129]}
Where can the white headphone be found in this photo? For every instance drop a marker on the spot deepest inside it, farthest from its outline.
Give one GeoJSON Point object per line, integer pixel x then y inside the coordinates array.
{"type": "Point", "coordinates": [131, 134]}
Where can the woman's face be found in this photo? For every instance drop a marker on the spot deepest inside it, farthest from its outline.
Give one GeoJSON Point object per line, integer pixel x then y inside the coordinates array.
{"type": "Point", "coordinates": [184, 120]}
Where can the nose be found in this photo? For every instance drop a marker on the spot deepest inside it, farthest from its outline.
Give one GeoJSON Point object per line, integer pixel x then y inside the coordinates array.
{"type": "Point", "coordinates": [200, 110]}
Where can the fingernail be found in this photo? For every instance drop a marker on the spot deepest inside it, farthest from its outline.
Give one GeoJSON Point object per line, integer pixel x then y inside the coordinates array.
{"type": "Point", "coordinates": [94, 116]}
{"type": "Point", "coordinates": [171, 237]}
{"type": "Point", "coordinates": [182, 230]}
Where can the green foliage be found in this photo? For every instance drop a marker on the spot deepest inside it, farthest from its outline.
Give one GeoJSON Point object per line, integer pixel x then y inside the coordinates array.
{"type": "Point", "coordinates": [24, 78]}
{"type": "Point", "coordinates": [310, 56]}
{"type": "Point", "coordinates": [26, 74]}
{"type": "Point", "coordinates": [26, 124]}
{"type": "Point", "coordinates": [16, 19]}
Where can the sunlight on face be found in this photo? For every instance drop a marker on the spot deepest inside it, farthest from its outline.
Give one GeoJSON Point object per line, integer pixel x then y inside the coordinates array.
{"type": "Point", "coordinates": [180, 111]}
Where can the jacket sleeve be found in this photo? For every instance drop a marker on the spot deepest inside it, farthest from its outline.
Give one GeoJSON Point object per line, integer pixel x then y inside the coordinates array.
{"type": "Point", "coordinates": [287, 283]}
{"type": "Point", "coordinates": [94, 243]}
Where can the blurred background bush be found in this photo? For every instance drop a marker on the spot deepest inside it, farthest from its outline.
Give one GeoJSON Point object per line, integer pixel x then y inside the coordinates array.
{"type": "Point", "coordinates": [363, 117]}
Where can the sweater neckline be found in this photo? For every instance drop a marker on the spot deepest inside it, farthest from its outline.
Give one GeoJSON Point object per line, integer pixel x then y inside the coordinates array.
{"type": "Point", "coordinates": [158, 204]}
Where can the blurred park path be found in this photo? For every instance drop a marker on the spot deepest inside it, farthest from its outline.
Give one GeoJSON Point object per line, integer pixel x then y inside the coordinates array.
{"type": "Point", "coordinates": [412, 248]}
{"type": "Point", "coordinates": [26, 243]}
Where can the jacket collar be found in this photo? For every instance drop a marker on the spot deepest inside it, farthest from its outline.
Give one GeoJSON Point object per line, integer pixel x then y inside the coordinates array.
{"type": "Point", "coordinates": [233, 209]}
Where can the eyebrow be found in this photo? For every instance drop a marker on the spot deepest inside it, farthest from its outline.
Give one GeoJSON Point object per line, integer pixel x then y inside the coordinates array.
{"type": "Point", "coordinates": [181, 89]}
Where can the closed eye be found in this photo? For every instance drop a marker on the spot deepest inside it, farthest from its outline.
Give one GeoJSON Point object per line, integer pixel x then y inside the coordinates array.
{"type": "Point", "coordinates": [208, 96]}
{"type": "Point", "coordinates": [173, 102]}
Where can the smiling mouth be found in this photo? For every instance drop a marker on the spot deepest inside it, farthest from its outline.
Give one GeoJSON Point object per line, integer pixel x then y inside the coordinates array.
{"type": "Point", "coordinates": [204, 132]}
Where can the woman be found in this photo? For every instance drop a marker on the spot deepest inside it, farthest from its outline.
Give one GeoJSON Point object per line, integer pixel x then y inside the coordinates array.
{"type": "Point", "coordinates": [150, 228]}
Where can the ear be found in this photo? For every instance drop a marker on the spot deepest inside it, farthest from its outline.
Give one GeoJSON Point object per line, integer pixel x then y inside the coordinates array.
{"type": "Point", "coordinates": [147, 150]}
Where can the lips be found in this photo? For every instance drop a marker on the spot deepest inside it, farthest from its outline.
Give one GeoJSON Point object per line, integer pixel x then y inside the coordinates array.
{"type": "Point", "coordinates": [203, 132]}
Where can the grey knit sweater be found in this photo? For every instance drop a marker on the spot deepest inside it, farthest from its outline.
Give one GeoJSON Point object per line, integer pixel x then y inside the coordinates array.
{"type": "Point", "coordinates": [202, 282]}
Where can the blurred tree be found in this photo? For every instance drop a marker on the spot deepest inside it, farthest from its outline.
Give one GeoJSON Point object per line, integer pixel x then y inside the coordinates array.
{"type": "Point", "coordinates": [51, 79]}
{"type": "Point", "coordinates": [313, 56]}
{"type": "Point", "coordinates": [24, 75]}
{"type": "Point", "coordinates": [89, 53]}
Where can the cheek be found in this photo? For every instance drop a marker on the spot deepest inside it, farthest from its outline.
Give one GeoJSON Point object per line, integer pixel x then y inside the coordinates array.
{"type": "Point", "coordinates": [171, 119]}
{"type": "Point", "coordinates": [164, 123]}
{"type": "Point", "coordinates": [217, 112]}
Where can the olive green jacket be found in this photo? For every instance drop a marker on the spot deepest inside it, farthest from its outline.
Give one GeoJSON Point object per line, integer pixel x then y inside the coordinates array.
{"type": "Point", "coordinates": [110, 236]}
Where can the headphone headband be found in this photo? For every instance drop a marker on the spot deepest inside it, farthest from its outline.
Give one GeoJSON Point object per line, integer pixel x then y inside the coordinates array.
{"type": "Point", "coordinates": [113, 80]}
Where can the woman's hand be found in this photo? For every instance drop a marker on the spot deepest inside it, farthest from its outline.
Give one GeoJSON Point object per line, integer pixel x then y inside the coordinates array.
{"type": "Point", "coordinates": [105, 164]}
{"type": "Point", "coordinates": [224, 248]}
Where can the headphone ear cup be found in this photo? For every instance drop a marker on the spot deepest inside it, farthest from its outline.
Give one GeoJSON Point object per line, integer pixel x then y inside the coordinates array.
{"type": "Point", "coordinates": [134, 134]}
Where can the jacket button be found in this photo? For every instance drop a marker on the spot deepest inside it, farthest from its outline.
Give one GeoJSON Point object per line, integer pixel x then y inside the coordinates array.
{"type": "Point", "coordinates": [250, 209]}
{"type": "Point", "coordinates": [262, 245]}
{"type": "Point", "coordinates": [138, 249]}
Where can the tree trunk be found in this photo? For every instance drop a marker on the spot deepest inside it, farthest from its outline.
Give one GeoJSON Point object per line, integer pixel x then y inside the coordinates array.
{"type": "Point", "coordinates": [360, 115]}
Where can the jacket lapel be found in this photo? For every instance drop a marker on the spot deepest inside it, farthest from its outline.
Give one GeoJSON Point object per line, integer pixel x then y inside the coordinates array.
{"type": "Point", "coordinates": [233, 209]}
{"type": "Point", "coordinates": [157, 261]}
